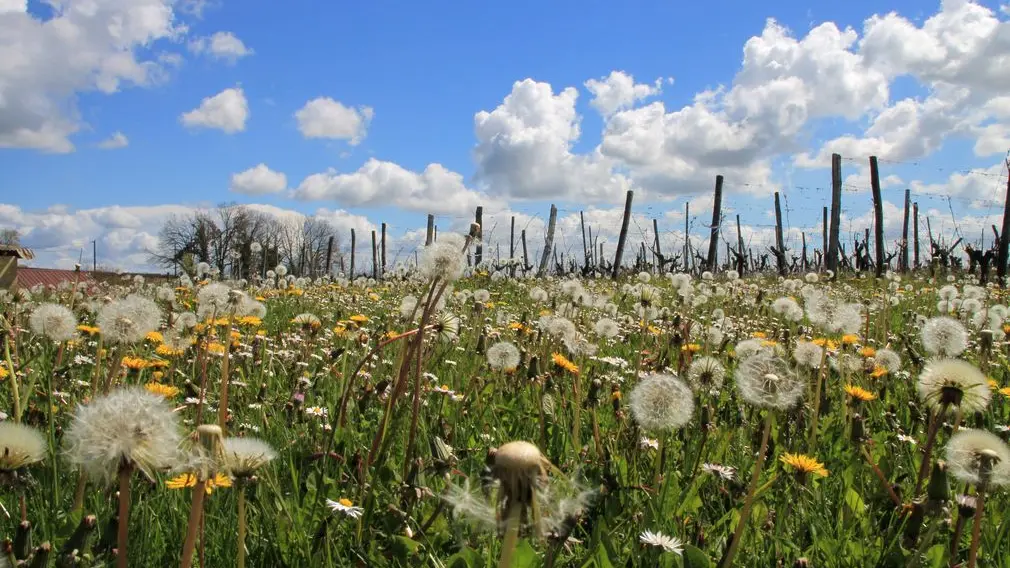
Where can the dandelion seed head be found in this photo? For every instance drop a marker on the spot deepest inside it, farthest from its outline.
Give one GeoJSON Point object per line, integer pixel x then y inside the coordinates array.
{"type": "Point", "coordinates": [766, 380]}
{"type": "Point", "coordinates": [955, 383]}
{"type": "Point", "coordinates": [503, 355]}
{"type": "Point", "coordinates": [21, 446]}
{"type": "Point", "coordinates": [706, 374]}
{"type": "Point", "coordinates": [968, 451]}
{"type": "Point", "coordinates": [53, 321]}
{"type": "Point", "coordinates": [944, 337]}
{"type": "Point", "coordinates": [128, 320]}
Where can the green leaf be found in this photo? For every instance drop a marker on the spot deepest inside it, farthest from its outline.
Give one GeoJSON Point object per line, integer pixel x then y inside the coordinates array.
{"type": "Point", "coordinates": [695, 558]}
{"type": "Point", "coordinates": [525, 556]}
{"type": "Point", "coordinates": [405, 547]}
{"type": "Point", "coordinates": [465, 558]}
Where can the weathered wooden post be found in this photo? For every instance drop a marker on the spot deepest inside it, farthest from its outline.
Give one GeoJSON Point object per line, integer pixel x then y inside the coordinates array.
{"type": "Point", "coordinates": [713, 241]}
{"type": "Point", "coordinates": [878, 217]}
{"type": "Point", "coordinates": [623, 236]}
{"type": "Point", "coordinates": [803, 261]}
{"type": "Point", "coordinates": [741, 255]}
{"type": "Point", "coordinates": [915, 233]}
{"type": "Point", "coordinates": [824, 239]}
{"type": "Point", "coordinates": [658, 253]}
{"type": "Point", "coordinates": [780, 247]}
{"type": "Point", "coordinates": [512, 248]}
{"type": "Point", "coordinates": [526, 258]}
{"type": "Point", "coordinates": [687, 237]}
{"type": "Point", "coordinates": [1004, 234]}
{"type": "Point", "coordinates": [430, 234]}
{"type": "Point", "coordinates": [329, 254]}
{"type": "Point", "coordinates": [478, 255]}
{"type": "Point", "coordinates": [354, 243]}
{"type": "Point", "coordinates": [836, 212]}
{"type": "Point", "coordinates": [548, 242]}
{"type": "Point", "coordinates": [585, 251]}
{"type": "Point", "coordinates": [375, 257]}
{"type": "Point", "coordinates": [904, 231]}
{"type": "Point", "coordinates": [382, 272]}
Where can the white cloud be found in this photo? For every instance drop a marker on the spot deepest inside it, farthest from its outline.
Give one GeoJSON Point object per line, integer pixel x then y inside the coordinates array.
{"type": "Point", "coordinates": [324, 117]}
{"type": "Point", "coordinates": [380, 183]}
{"type": "Point", "coordinates": [524, 149]}
{"type": "Point", "coordinates": [221, 45]}
{"type": "Point", "coordinates": [619, 91]}
{"type": "Point", "coordinates": [226, 111]}
{"type": "Point", "coordinates": [258, 180]}
{"type": "Point", "coordinates": [82, 47]}
{"type": "Point", "coordinates": [117, 140]}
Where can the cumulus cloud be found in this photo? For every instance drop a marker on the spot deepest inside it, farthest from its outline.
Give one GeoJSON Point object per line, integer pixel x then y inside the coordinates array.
{"type": "Point", "coordinates": [619, 91]}
{"type": "Point", "coordinates": [324, 117]}
{"type": "Point", "coordinates": [226, 111]}
{"type": "Point", "coordinates": [378, 183]}
{"type": "Point", "coordinates": [117, 140]}
{"type": "Point", "coordinates": [524, 149]}
{"type": "Point", "coordinates": [258, 180]}
{"type": "Point", "coordinates": [81, 47]}
{"type": "Point", "coordinates": [221, 45]}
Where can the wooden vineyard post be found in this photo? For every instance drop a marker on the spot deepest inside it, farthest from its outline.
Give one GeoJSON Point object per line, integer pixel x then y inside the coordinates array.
{"type": "Point", "coordinates": [780, 247]}
{"type": "Point", "coordinates": [836, 212]}
{"type": "Point", "coordinates": [382, 270]}
{"type": "Point", "coordinates": [526, 258]}
{"type": "Point", "coordinates": [429, 236]}
{"type": "Point", "coordinates": [479, 252]}
{"type": "Point", "coordinates": [713, 242]}
{"type": "Point", "coordinates": [585, 251]}
{"type": "Point", "coordinates": [512, 248]}
{"type": "Point", "coordinates": [741, 255]}
{"type": "Point", "coordinates": [878, 217]}
{"type": "Point", "coordinates": [353, 244]}
{"type": "Point", "coordinates": [375, 257]}
{"type": "Point", "coordinates": [624, 234]}
{"type": "Point", "coordinates": [915, 234]}
{"type": "Point", "coordinates": [1004, 235]}
{"type": "Point", "coordinates": [904, 231]}
{"type": "Point", "coordinates": [549, 242]}
{"type": "Point", "coordinates": [658, 253]}
{"type": "Point", "coordinates": [329, 254]}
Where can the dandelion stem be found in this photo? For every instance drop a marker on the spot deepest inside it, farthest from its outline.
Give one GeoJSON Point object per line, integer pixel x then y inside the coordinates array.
{"type": "Point", "coordinates": [195, 514]}
{"type": "Point", "coordinates": [15, 389]}
{"type": "Point", "coordinates": [240, 557]}
{"type": "Point", "coordinates": [734, 543]}
{"type": "Point", "coordinates": [927, 449]}
{"type": "Point", "coordinates": [122, 536]}
{"type": "Point", "coordinates": [222, 412]}
{"type": "Point", "coordinates": [817, 397]}
{"type": "Point", "coordinates": [976, 527]}
{"type": "Point", "coordinates": [508, 546]}
{"type": "Point", "coordinates": [880, 475]}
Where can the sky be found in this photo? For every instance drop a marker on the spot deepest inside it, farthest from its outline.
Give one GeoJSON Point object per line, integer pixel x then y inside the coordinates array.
{"type": "Point", "coordinates": [117, 114]}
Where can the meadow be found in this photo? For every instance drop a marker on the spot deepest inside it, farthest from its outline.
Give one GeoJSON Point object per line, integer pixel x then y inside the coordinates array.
{"type": "Point", "coordinates": [461, 418]}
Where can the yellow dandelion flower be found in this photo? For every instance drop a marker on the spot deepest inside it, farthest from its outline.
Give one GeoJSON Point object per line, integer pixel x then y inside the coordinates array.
{"type": "Point", "coordinates": [850, 339]}
{"type": "Point", "coordinates": [691, 348]}
{"type": "Point", "coordinates": [134, 363]}
{"type": "Point", "coordinates": [868, 352]}
{"type": "Point", "coordinates": [515, 326]}
{"type": "Point", "coordinates": [878, 372]}
{"type": "Point", "coordinates": [759, 335]}
{"type": "Point", "coordinates": [167, 391]}
{"type": "Point", "coordinates": [166, 351]}
{"type": "Point", "coordinates": [88, 329]}
{"type": "Point", "coordinates": [1005, 391]}
{"type": "Point", "coordinates": [545, 312]}
{"type": "Point", "coordinates": [216, 348]}
{"type": "Point", "coordinates": [4, 373]}
{"type": "Point", "coordinates": [359, 319]}
{"type": "Point", "coordinates": [804, 464]}
{"type": "Point", "coordinates": [825, 342]}
{"type": "Point", "coordinates": [563, 362]}
{"type": "Point", "coordinates": [189, 480]}
{"type": "Point", "coordinates": [250, 321]}
{"type": "Point", "coordinates": [653, 330]}
{"type": "Point", "coordinates": [154, 337]}
{"type": "Point", "coordinates": [859, 393]}
{"type": "Point", "coordinates": [769, 343]}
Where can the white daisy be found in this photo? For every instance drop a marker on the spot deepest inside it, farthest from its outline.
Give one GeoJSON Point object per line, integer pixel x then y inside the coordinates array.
{"type": "Point", "coordinates": [660, 540]}
{"type": "Point", "coordinates": [346, 507]}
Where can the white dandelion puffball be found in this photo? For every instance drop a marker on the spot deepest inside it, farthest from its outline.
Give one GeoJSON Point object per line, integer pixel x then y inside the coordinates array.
{"type": "Point", "coordinates": [21, 445]}
{"type": "Point", "coordinates": [243, 456]}
{"type": "Point", "coordinates": [944, 337]}
{"type": "Point", "coordinates": [954, 383]}
{"type": "Point", "coordinates": [706, 374]}
{"type": "Point", "coordinates": [766, 380]}
{"type": "Point", "coordinates": [503, 356]}
{"type": "Point", "coordinates": [129, 425]}
{"type": "Point", "coordinates": [54, 321]}
{"type": "Point", "coordinates": [443, 259]}
{"type": "Point", "coordinates": [969, 450]}
{"type": "Point", "coordinates": [128, 320]}
{"type": "Point", "coordinates": [661, 403]}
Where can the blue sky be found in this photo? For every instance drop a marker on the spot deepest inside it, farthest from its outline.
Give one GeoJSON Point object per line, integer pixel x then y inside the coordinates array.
{"type": "Point", "coordinates": [426, 68]}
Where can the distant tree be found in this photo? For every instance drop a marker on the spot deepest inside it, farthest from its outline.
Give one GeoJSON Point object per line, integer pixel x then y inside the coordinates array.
{"type": "Point", "coordinates": [10, 237]}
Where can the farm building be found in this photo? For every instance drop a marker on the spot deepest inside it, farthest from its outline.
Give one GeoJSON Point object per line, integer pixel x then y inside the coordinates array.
{"type": "Point", "coordinates": [14, 276]}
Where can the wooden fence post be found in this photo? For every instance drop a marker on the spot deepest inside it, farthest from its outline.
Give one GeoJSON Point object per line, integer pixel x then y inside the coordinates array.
{"type": "Point", "coordinates": [353, 244]}
{"type": "Point", "coordinates": [713, 242]}
{"type": "Point", "coordinates": [329, 254]}
{"type": "Point", "coordinates": [375, 257]}
{"type": "Point", "coordinates": [878, 216]}
{"type": "Point", "coordinates": [1004, 235]}
{"type": "Point", "coordinates": [658, 254]}
{"type": "Point", "coordinates": [836, 212]}
{"type": "Point", "coordinates": [780, 256]}
{"type": "Point", "coordinates": [904, 231]}
{"type": "Point", "coordinates": [915, 233]}
{"type": "Point", "coordinates": [624, 234]}
{"type": "Point", "coordinates": [429, 236]}
{"type": "Point", "coordinates": [479, 252]}
{"type": "Point", "coordinates": [549, 242]}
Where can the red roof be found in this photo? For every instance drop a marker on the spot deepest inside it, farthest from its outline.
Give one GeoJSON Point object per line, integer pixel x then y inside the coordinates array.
{"type": "Point", "coordinates": [29, 277]}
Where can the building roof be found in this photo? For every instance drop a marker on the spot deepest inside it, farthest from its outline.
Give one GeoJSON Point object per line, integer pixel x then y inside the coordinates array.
{"type": "Point", "coordinates": [19, 252]}
{"type": "Point", "coordinates": [29, 277]}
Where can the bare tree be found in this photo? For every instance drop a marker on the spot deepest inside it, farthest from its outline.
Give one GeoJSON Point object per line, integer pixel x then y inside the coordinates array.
{"type": "Point", "coordinates": [10, 237]}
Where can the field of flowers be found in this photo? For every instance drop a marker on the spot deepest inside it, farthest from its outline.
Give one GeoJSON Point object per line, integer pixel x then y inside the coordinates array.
{"type": "Point", "coordinates": [460, 418]}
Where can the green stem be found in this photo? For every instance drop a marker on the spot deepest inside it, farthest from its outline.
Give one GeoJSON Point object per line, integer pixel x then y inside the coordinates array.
{"type": "Point", "coordinates": [122, 536]}
{"type": "Point", "coordinates": [734, 544]}
{"type": "Point", "coordinates": [240, 558]}
{"type": "Point", "coordinates": [508, 546]}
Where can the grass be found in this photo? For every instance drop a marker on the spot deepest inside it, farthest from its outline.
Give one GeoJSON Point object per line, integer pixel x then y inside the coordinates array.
{"type": "Point", "coordinates": [424, 414]}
